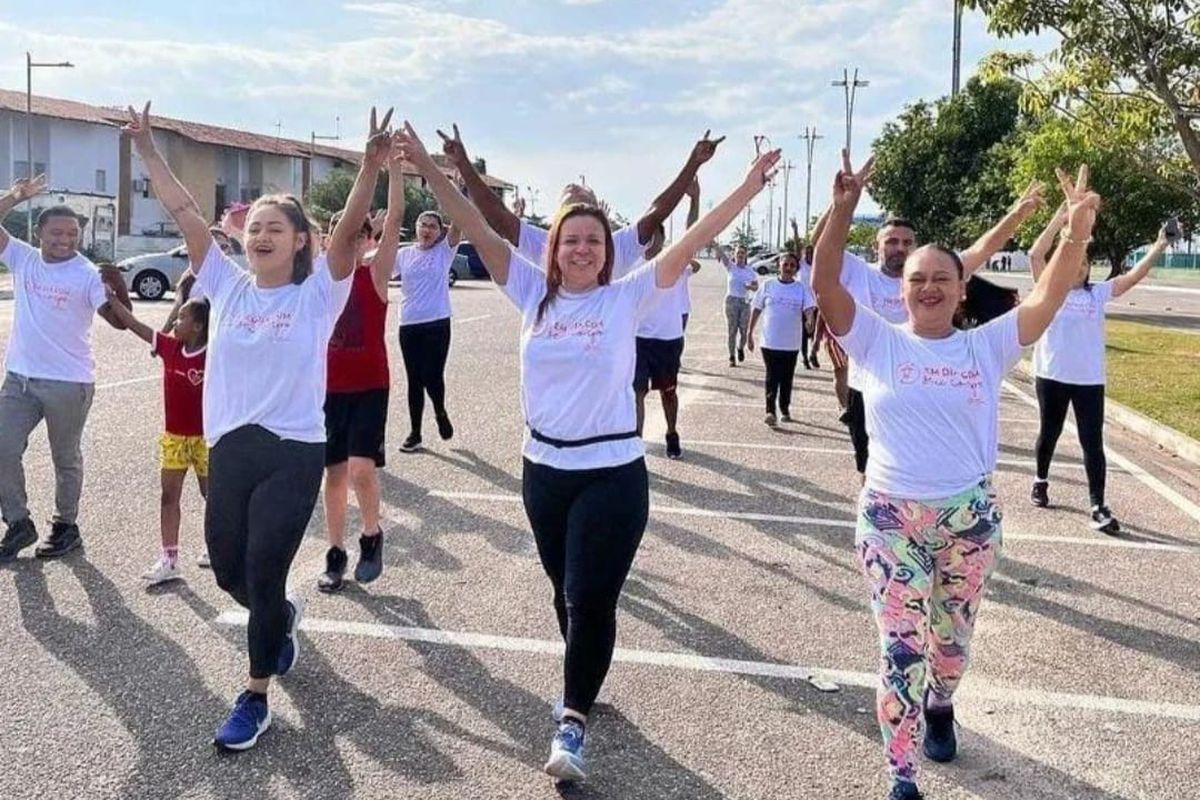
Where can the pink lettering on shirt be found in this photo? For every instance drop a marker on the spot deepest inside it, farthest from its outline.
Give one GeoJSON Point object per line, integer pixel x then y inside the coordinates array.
{"type": "Point", "coordinates": [968, 381]}
{"type": "Point", "coordinates": [276, 325]}
{"type": "Point", "coordinates": [590, 330]}
{"type": "Point", "coordinates": [56, 296]}
{"type": "Point", "coordinates": [1082, 306]}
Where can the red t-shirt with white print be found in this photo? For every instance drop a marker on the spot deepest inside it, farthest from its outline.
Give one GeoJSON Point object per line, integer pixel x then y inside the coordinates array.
{"type": "Point", "coordinates": [183, 386]}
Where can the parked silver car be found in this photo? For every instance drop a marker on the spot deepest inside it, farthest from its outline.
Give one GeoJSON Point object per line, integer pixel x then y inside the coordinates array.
{"type": "Point", "coordinates": [152, 275]}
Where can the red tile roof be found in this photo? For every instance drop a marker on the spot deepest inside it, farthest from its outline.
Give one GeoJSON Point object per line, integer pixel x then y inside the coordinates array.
{"type": "Point", "coordinates": [197, 131]}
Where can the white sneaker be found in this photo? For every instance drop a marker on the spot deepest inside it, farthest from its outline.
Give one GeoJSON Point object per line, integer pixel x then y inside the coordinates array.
{"type": "Point", "coordinates": [770, 420]}
{"type": "Point", "coordinates": [203, 561]}
{"type": "Point", "coordinates": [161, 572]}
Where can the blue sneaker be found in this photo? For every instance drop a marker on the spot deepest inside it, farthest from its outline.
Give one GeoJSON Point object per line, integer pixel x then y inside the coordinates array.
{"type": "Point", "coordinates": [940, 744]}
{"type": "Point", "coordinates": [566, 752]}
{"type": "Point", "coordinates": [903, 790]}
{"type": "Point", "coordinates": [290, 652]}
{"type": "Point", "coordinates": [241, 729]}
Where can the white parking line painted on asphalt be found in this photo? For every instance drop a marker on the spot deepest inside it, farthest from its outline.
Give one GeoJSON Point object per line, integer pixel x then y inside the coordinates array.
{"type": "Point", "coordinates": [471, 319]}
{"type": "Point", "coordinates": [115, 384]}
{"type": "Point", "coordinates": [1164, 491]}
{"type": "Point", "coordinates": [845, 522]}
{"type": "Point", "coordinates": [974, 690]}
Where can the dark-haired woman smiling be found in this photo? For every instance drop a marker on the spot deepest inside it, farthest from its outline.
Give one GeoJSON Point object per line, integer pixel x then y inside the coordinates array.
{"type": "Point", "coordinates": [928, 523]}
{"type": "Point", "coordinates": [263, 398]}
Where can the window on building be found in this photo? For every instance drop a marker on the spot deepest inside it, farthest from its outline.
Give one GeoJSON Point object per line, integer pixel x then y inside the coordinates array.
{"type": "Point", "coordinates": [21, 169]}
{"type": "Point", "coordinates": [101, 181]}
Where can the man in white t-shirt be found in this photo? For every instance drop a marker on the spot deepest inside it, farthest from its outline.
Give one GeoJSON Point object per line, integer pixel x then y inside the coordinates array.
{"type": "Point", "coordinates": [49, 368]}
{"type": "Point", "coordinates": [879, 287]}
{"type": "Point", "coordinates": [629, 242]}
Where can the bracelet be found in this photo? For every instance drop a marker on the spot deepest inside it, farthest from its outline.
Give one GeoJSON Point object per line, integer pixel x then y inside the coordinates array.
{"type": "Point", "coordinates": [1065, 236]}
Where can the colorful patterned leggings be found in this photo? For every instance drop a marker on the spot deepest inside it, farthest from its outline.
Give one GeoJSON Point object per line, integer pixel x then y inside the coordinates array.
{"type": "Point", "coordinates": [927, 563]}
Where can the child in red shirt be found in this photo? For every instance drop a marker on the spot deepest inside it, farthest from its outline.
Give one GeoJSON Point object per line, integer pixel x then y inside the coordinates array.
{"type": "Point", "coordinates": [181, 445]}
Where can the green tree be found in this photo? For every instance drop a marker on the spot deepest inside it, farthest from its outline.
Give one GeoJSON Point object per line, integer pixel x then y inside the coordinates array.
{"type": "Point", "coordinates": [328, 196]}
{"type": "Point", "coordinates": [1136, 202]}
{"type": "Point", "coordinates": [1126, 72]}
{"type": "Point", "coordinates": [744, 237]}
{"type": "Point", "coordinates": [862, 236]}
{"type": "Point", "coordinates": [944, 165]}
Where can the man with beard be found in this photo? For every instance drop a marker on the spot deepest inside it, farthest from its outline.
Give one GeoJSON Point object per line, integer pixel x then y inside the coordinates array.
{"type": "Point", "coordinates": [878, 287]}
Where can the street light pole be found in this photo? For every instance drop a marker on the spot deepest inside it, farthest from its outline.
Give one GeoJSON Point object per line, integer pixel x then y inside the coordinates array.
{"type": "Point", "coordinates": [810, 140]}
{"type": "Point", "coordinates": [956, 70]}
{"type": "Point", "coordinates": [787, 180]}
{"type": "Point", "coordinates": [312, 152]}
{"type": "Point", "coordinates": [850, 87]}
{"type": "Point", "coordinates": [29, 65]}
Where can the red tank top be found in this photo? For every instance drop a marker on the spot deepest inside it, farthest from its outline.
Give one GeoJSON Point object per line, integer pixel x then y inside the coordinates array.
{"type": "Point", "coordinates": [357, 350]}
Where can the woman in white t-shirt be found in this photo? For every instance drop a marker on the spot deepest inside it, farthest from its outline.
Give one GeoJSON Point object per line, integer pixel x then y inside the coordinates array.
{"type": "Point", "coordinates": [424, 272]}
{"type": "Point", "coordinates": [264, 392]}
{"type": "Point", "coordinates": [928, 523]}
{"type": "Point", "coordinates": [782, 303]}
{"type": "Point", "coordinates": [1068, 364]}
{"type": "Point", "coordinates": [585, 485]}
{"type": "Point", "coordinates": [740, 280]}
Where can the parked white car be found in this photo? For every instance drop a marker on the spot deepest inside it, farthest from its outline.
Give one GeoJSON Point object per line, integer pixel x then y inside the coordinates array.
{"type": "Point", "coordinates": [152, 275]}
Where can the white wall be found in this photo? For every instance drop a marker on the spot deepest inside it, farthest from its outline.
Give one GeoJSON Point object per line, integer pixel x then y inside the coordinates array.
{"type": "Point", "coordinates": [145, 212]}
{"type": "Point", "coordinates": [77, 150]}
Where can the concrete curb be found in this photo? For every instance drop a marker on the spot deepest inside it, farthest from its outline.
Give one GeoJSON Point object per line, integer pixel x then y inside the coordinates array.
{"type": "Point", "coordinates": [1164, 436]}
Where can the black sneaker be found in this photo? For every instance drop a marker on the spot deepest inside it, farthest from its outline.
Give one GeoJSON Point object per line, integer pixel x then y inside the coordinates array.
{"type": "Point", "coordinates": [1039, 494]}
{"type": "Point", "coordinates": [330, 580]}
{"type": "Point", "coordinates": [18, 536]}
{"type": "Point", "coordinates": [807, 364]}
{"type": "Point", "coordinates": [903, 790]}
{"type": "Point", "coordinates": [1104, 521]}
{"type": "Point", "coordinates": [412, 444]}
{"type": "Point", "coordinates": [732, 363]}
{"type": "Point", "coordinates": [673, 448]}
{"type": "Point", "coordinates": [816, 364]}
{"type": "Point", "coordinates": [445, 429]}
{"type": "Point", "coordinates": [941, 744]}
{"type": "Point", "coordinates": [370, 557]}
{"type": "Point", "coordinates": [741, 354]}
{"type": "Point", "coordinates": [64, 537]}
{"type": "Point", "coordinates": [844, 418]}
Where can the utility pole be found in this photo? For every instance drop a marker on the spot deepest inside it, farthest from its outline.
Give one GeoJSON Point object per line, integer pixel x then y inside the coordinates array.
{"type": "Point", "coordinates": [850, 88]}
{"type": "Point", "coordinates": [956, 69]}
{"type": "Point", "coordinates": [810, 140]}
{"type": "Point", "coordinates": [312, 151]}
{"type": "Point", "coordinates": [787, 180]}
{"type": "Point", "coordinates": [29, 66]}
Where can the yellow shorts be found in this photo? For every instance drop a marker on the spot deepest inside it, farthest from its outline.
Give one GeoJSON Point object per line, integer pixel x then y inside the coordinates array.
{"type": "Point", "coordinates": [182, 452]}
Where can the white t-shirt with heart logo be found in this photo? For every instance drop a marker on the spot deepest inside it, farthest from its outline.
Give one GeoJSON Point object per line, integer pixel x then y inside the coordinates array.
{"type": "Point", "coordinates": [932, 405]}
{"type": "Point", "coordinates": [267, 350]}
{"type": "Point", "coordinates": [577, 364]}
{"type": "Point", "coordinates": [55, 305]}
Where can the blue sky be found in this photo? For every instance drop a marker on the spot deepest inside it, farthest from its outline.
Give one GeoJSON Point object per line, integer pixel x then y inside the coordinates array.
{"type": "Point", "coordinates": [545, 90]}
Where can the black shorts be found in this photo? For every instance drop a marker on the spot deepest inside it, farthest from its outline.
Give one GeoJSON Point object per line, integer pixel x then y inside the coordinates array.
{"type": "Point", "coordinates": [657, 364]}
{"type": "Point", "coordinates": [355, 424]}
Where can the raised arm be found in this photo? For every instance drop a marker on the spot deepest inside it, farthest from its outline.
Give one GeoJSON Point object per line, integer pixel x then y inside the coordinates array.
{"type": "Point", "coordinates": [22, 190]}
{"type": "Point", "coordinates": [127, 319]}
{"type": "Point", "coordinates": [358, 204]}
{"type": "Point", "coordinates": [978, 254]}
{"type": "Point", "coordinates": [836, 304]}
{"type": "Point", "coordinates": [491, 205]}
{"type": "Point", "coordinates": [819, 228]}
{"type": "Point", "coordinates": [384, 260]}
{"type": "Point", "coordinates": [693, 215]}
{"type": "Point", "coordinates": [183, 291]}
{"type": "Point", "coordinates": [1123, 283]}
{"type": "Point", "coordinates": [665, 203]}
{"type": "Point", "coordinates": [671, 263]}
{"type": "Point", "coordinates": [492, 247]}
{"type": "Point", "coordinates": [170, 192]}
{"type": "Point", "coordinates": [1045, 241]}
{"type": "Point", "coordinates": [1037, 310]}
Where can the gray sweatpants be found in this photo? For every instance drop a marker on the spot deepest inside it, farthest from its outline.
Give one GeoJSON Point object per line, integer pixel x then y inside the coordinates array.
{"type": "Point", "coordinates": [737, 316]}
{"type": "Point", "coordinates": [24, 402]}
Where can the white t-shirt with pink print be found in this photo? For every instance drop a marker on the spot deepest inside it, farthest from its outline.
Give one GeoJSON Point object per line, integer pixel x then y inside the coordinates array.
{"type": "Point", "coordinates": [1072, 348]}
{"type": "Point", "coordinates": [577, 364]}
{"type": "Point", "coordinates": [932, 405]}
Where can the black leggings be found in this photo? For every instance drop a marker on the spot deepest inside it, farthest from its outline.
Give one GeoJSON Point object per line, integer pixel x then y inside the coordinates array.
{"type": "Point", "coordinates": [856, 420]}
{"type": "Point", "coordinates": [587, 525]}
{"type": "Point", "coordinates": [1053, 399]}
{"type": "Point", "coordinates": [261, 493]}
{"type": "Point", "coordinates": [781, 371]}
{"type": "Point", "coordinates": [425, 347]}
